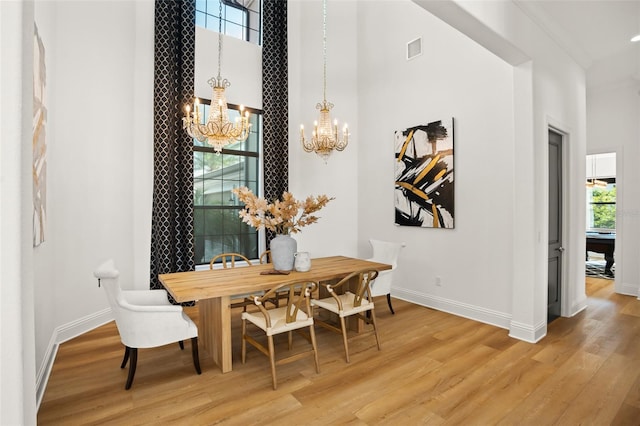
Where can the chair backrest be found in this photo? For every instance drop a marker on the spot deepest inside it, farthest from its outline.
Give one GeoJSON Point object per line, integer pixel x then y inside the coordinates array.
{"type": "Point", "coordinates": [385, 251]}
{"type": "Point", "coordinates": [142, 325]}
{"type": "Point", "coordinates": [107, 276]}
{"type": "Point", "coordinates": [228, 260]}
{"type": "Point", "coordinates": [265, 257]}
{"type": "Point", "coordinates": [361, 291]}
{"type": "Point", "coordinates": [299, 295]}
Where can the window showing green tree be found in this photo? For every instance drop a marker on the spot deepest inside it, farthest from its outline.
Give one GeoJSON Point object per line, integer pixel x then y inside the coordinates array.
{"type": "Point", "coordinates": [601, 214]}
{"type": "Point", "coordinates": [217, 226]}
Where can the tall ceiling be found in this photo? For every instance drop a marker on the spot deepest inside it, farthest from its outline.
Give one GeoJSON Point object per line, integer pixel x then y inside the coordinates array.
{"type": "Point", "coordinates": [596, 33]}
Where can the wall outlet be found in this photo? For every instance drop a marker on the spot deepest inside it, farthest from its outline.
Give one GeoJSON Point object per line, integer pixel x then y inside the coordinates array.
{"type": "Point", "coordinates": [438, 282]}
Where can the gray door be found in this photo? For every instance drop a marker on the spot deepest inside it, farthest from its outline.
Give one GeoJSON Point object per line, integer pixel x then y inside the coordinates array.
{"type": "Point", "coordinates": [555, 226]}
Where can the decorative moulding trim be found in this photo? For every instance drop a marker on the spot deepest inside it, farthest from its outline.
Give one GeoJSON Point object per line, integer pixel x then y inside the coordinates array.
{"type": "Point", "coordinates": [45, 369]}
{"type": "Point", "coordinates": [476, 313]}
{"type": "Point", "coordinates": [628, 289]}
{"type": "Point", "coordinates": [526, 332]}
{"type": "Point", "coordinates": [578, 307]}
{"type": "Point", "coordinates": [82, 325]}
{"type": "Point", "coordinates": [60, 335]}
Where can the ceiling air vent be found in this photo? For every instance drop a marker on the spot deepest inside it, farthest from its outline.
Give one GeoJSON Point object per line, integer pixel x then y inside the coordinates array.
{"type": "Point", "coordinates": [414, 48]}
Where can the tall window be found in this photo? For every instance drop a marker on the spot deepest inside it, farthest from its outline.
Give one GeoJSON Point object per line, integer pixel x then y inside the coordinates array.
{"type": "Point", "coordinates": [217, 227]}
{"type": "Point", "coordinates": [601, 192]}
{"type": "Point", "coordinates": [240, 18]}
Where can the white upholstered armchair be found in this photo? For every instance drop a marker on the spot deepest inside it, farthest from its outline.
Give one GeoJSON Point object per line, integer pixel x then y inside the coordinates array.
{"type": "Point", "coordinates": [385, 252]}
{"type": "Point", "coordinates": [145, 319]}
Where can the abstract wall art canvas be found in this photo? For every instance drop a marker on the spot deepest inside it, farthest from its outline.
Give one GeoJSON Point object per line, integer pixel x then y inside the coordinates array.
{"type": "Point", "coordinates": [39, 144]}
{"type": "Point", "coordinates": [424, 186]}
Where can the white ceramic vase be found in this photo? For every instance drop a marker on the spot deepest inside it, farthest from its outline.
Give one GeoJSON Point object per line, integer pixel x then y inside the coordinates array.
{"type": "Point", "coordinates": [283, 249]}
{"type": "Point", "coordinates": [302, 262]}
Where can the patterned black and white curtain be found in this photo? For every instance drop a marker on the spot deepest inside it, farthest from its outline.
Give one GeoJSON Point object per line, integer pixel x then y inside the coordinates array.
{"type": "Point", "coordinates": [275, 99]}
{"type": "Point", "coordinates": [172, 245]}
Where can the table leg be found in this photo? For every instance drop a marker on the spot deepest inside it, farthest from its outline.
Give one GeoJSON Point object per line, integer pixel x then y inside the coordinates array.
{"type": "Point", "coordinates": [610, 260]}
{"type": "Point", "coordinates": [215, 330]}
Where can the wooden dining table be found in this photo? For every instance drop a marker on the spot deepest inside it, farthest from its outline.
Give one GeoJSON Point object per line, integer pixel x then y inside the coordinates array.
{"type": "Point", "coordinates": [213, 289]}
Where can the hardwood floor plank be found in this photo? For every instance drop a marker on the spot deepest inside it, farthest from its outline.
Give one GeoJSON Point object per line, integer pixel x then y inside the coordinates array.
{"type": "Point", "coordinates": [546, 403]}
{"type": "Point", "coordinates": [425, 388]}
{"type": "Point", "coordinates": [627, 416]}
{"type": "Point", "coordinates": [433, 369]}
{"type": "Point", "coordinates": [601, 399]}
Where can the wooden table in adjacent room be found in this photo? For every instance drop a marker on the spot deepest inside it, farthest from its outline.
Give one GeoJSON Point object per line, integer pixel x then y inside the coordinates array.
{"type": "Point", "coordinates": [604, 243]}
{"type": "Point", "coordinates": [212, 289]}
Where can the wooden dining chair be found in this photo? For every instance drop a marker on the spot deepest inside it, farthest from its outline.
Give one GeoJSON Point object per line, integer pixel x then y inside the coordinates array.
{"type": "Point", "coordinates": [229, 260]}
{"type": "Point", "coordinates": [265, 258]}
{"type": "Point", "coordinates": [355, 301]}
{"type": "Point", "coordinates": [295, 316]}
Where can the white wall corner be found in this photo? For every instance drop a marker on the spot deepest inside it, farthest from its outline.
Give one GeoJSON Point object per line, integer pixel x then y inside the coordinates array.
{"type": "Point", "coordinates": [628, 289]}
{"type": "Point", "coordinates": [465, 310]}
{"type": "Point", "coordinates": [62, 334]}
{"type": "Point", "coordinates": [526, 332]}
{"type": "Point", "coordinates": [45, 369]}
{"type": "Point", "coordinates": [80, 326]}
{"type": "Point", "coordinates": [578, 306]}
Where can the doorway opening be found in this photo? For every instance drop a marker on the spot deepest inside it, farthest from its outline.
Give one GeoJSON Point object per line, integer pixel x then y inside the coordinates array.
{"type": "Point", "coordinates": [555, 251]}
{"type": "Point", "coordinates": [601, 215]}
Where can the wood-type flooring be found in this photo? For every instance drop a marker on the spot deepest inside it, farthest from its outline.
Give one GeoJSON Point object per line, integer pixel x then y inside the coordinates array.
{"type": "Point", "coordinates": [434, 369]}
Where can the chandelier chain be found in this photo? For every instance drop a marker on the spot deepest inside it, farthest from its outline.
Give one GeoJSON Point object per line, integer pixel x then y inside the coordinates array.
{"type": "Point", "coordinates": [324, 50]}
{"type": "Point", "coordinates": [219, 38]}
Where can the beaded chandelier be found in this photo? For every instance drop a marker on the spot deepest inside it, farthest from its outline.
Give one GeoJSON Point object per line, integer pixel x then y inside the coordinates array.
{"type": "Point", "coordinates": [218, 131]}
{"type": "Point", "coordinates": [325, 137]}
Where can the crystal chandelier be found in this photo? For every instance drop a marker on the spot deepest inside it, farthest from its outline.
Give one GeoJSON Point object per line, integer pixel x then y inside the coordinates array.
{"type": "Point", "coordinates": [218, 131]}
{"type": "Point", "coordinates": [325, 137]}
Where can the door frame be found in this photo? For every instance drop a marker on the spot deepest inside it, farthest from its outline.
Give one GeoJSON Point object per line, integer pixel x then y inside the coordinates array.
{"type": "Point", "coordinates": [565, 299]}
{"type": "Point", "coordinates": [618, 280]}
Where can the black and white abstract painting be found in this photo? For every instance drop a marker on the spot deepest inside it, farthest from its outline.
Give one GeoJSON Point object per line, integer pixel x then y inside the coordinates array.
{"type": "Point", "coordinates": [424, 188]}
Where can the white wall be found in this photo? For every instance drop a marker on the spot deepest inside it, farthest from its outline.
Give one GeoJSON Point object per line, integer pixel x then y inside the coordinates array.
{"type": "Point", "coordinates": [454, 77]}
{"type": "Point", "coordinates": [613, 114]}
{"type": "Point", "coordinates": [99, 58]}
{"type": "Point", "coordinates": [548, 90]}
{"type": "Point", "coordinates": [45, 264]}
{"type": "Point", "coordinates": [337, 230]}
{"type": "Point", "coordinates": [17, 361]}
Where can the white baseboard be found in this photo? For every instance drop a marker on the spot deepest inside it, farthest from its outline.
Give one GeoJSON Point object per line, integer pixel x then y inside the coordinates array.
{"type": "Point", "coordinates": [578, 307]}
{"type": "Point", "coordinates": [62, 334]}
{"type": "Point", "coordinates": [526, 332]}
{"type": "Point", "coordinates": [628, 289]}
{"type": "Point", "coordinates": [45, 369]}
{"type": "Point", "coordinates": [476, 313]}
